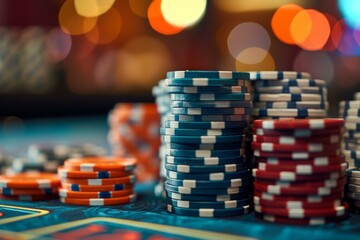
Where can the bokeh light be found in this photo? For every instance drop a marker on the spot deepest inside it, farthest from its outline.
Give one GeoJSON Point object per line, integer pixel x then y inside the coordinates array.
{"type": "Point", "coordinates": [58, 45]}
{"type": "Point", "coordinates": [71, 22]}
{"type": "Point", "coordinates": [158, 22]}
{"type": "Point", "coordinates": [92, 8]}
{"type": "Point", "coordinates": [266, 64]}
{"type": "Point", "coordinates": [350, 9]}
{"type": "Point", "coordinates": [332, 42]}
{"type": "Point", "coordinates": [281, 21]}
{"type": "Point", "coordinates": [248, 35]}
{"type": "Point", "coordinates": [183, 13]}
{"type": "Point", "coordinates": [107, 28]}
{"type": "Point", "coordinates": [348, 43]}
{"type": "Point", "coordinates": [251, 5]}
{"type": "Point", "coordinates": [319, 64]}
{"type": "Point", "coordinates": [140, 8]}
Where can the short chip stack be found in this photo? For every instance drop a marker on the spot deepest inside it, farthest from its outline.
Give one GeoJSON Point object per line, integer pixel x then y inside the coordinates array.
{"type": "Point", "coordinates": [163, 106]}
{"type": "Point", "coordinates": [134, 132]}
{"type": "Point", "coordinates": [300, 177]}
{"type": "Point", "coordinates": [29, 186]}
{"type": "Point", "coordinates": [350, 111]}
{"type": "Point", "coordinates": [97, 181]}
{"type": "Point", "coordinates": [286, 94]}
{"type": "Point", "coordinates": [204, 143]}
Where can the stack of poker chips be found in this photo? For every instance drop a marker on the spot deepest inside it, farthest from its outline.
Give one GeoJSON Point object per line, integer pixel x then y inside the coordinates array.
{"type": "Point", "coordinates": [350, 111]}
{"type": "Point", "coordinates": [301, 175]}
{"type": "Point", "coordinates": [134, 132]}
{"type": "Point", "coordinates": [286, 94]}
{"type": "Point", "coordinates": [29, 186]}
{"type": "Point", "coordinates": [204, 138]}
{"type": "Point", "coordinates": [163, 106]}
{"type": "Point", "coordinates": [97, 181]}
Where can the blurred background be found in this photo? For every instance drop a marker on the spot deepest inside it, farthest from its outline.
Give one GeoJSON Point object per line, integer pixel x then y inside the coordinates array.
{"type": "Point", "coordinates": [80, 57]}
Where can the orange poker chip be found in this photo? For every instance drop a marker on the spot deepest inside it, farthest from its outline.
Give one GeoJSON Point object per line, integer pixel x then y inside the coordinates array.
{"type": "Point", "coordinates": [27, 191]}
{"type": "Point", "coordinates": [99, 201]}
{"type": "Point", "coordinates": [30, 180]}
{"type": "Point", "coordinates": [28, 197]}
{"type": "Point", "coordinates": [87, 188]}
{"type": "Point", "coordinates": [100, 181]}
{"type": "Point", "coordinates": [104, 194]}
{"type": "Point", "coordinates": [93, 164]}
{"type": "Point", "coordinates": [66, 173]}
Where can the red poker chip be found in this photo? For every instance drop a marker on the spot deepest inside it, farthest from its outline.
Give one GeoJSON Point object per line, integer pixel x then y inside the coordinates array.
{"type": "Point", "coordinates": [303, 198]}
{"type": "Point", "coordinates": [300, 213]}
{"type": "Point", "coordinates": [287, 140]}
{"type": "Point", "coordinates": [296, 190]}
{"type": "Point", "coordinates": [304, 221]}
{"type": "Point", "coordinates": [313, 124]}
{"type": "Point", "coordinates": [297, 133]}
{"type": "Point", "coordinates": [303, 169]}
{"type": "Point", "coordinates": [297, 155]}
{"type": "Point", "coordinates": [307, 147]}
{"type": "Point", "coordinates": [320, 161]}
{"type": "Point", "coordinates": [293, 177]}
{"type": "Point", "coordinates": [296, 204]}
{"type": "Point", "coordinates": [329, 183]}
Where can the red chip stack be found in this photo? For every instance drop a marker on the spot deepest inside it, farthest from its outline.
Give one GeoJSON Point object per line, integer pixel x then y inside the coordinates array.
{"type": "Point", "coordinates": [300, 176]}
{"type": "Point", "coordinates": [134, 132]}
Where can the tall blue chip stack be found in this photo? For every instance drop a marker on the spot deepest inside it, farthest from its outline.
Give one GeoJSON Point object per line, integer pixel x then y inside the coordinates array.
{"type": "Point", "coordinates": [203, 140]}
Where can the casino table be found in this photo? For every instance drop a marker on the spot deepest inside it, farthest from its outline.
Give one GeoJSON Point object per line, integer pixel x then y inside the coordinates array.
{"type": "Point", "coordinates": [147, 218]}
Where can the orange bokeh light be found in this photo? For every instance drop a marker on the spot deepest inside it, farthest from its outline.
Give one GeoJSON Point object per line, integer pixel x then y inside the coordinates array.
{"type": "Point", "coordinates": [281, 21]}
{"type": "Point", "coordinates": [331, 45]}
{"type": "Point", "coordinates": [310, 29]}
{"type": "Point", "coordinates": [158, 22]}
{"type": "Point", "coordinates": [107, 28]}
{"type": "Point", "coordinates": [72, 23]}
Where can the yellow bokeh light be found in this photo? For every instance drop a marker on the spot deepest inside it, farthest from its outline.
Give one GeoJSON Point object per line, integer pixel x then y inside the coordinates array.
{"type": "Point", "coordinates": [183, 13]}
{"type": "Point", "coordinates": [92, 8]}
{"type": "Point", "coordinates": [267, 64]}
{"type": "Point", "coordinates": [72, 23]}
{"type": "Point", "coordinates": [252, 55]}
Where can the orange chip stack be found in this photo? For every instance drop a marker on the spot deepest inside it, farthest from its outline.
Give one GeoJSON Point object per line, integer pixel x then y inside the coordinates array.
{"type": "Point", "coordinates": [134, 132]}
{"type": "Point", "coordinates": [29, 186]}
{"type": "Point", "coordinates": [97, 181]}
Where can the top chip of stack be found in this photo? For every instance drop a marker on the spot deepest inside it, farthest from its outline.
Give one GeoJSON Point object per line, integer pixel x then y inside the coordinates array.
{"type": "Point", "coordinates": [286, 94]}
{"type": "Point", "coordinates": [97, 181]}
{"type": "Point", "coordinates": [300, 179]}
{"type": "Point", "coordinates": [204, 137]}
{"type": "Point", "coordinates": [350, 111]}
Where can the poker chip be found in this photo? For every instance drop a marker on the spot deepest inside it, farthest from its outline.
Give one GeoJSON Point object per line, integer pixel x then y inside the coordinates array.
{"type": "Point", "coordinates": [28, 198]}
{"type": "Point", "coordinates": [300, 173]}
{"type": "Point", "coordinates": [288, 89]}
{"type": "Point", "coordinates": [209, 212]}
{"type": "Point", "coordinates": [97, 181]}
{"type": "Point", "coordinates": [291, 97]}
{"type": "Point", "coordinates": [349, 104]}
{"type": "Point", "coordinates": [30, 180]}
{"type": "Point", "coordinates": [301, 82]}
{"type": "Point", "coordinates": [290, 105]}
{"type": "Point", "coordinates": [99, 201]}
{"type": "Point", "coordinates": [217, 205]}
{"type": "Point", "coordinates": [295, 113]}
{"type": "Point", "coordinates": [27, 191]}
{"type": "Point", "coordinates": [276, 75]}
{"type": "Point", "coordinates": [203, 138]}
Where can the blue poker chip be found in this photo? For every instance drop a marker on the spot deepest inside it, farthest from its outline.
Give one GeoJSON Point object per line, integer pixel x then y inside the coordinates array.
{"type": "Point", "coordinates": [206, 191]}
{"type": "Point", "coordinates": [205, 169]}
{"type": "Point", "coordinates": [209, 212]}
{"type": "Point", "coordinates": [204, 82]}
{"type": "Point", "coordinates": [352, 134]}
{"type": "Point", "coordinates": [210, 111]}
{"type": "Point", "coordinates": [285, 97]}
{"type": "Point", "coordinates": [352, 126]}
{"type": "Point", "coordinates": [201, 132]}
{"type": "Point", "coordinates": [212, 198]}
{"type": "Point", "coordinates": [291, 83]}
{"type": "Point", "coordinates": [207, 161]}
{"type": "Point", "coordinates": [209, 204]}
{"type": "Point", "coordinates": [210, 104]}
{"type": "Point", "coordinates": [353, 172]}
{"type": "Point", "coordinates": [208, 118]}
{"type": "Point", "coordinates": [290, 89]}
{"type": "Point", "coordinates": [350, 112]}
{"type": "Point", "coordinates": [295, 105]}
{"type": "Point", "coordinates": [202, 139]}
{"type": "Point", "coordinates": [276, 75]}
{"type": "Point", "coordinates": [216, 176]}
{"type": "Point", "coordinates": [211, 97]}
{"type": "Point", "coordinates": [207, 74]}
{"type": "Point", "coordinates": [352, 154]}
{"type": "Point", "coordinates": [296, 113]}
{"type": "Point", "coordinates": [216, 146]}
{"type": "Point", "coordinates": [349, 104]}
{"type": "Point", "coordinates": [236, 182]}
{"type": "Point", "coordinates": [204, 153]}
{"type": "Point", "coordinates": [207, 89]}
